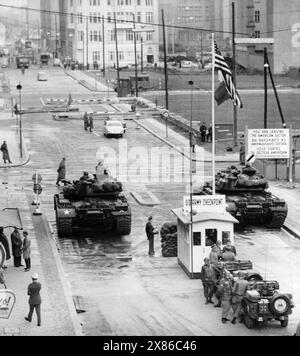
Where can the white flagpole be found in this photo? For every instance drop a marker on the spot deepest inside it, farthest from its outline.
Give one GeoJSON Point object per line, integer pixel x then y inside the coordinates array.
{"type": "Point", "coordinates": [213, 117]}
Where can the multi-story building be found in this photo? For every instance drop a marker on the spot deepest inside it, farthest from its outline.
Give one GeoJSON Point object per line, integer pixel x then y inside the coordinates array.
{"type": "Point", "coordinates": [84, 35]}
{"type": "Point", "coordinates": [50, 25]}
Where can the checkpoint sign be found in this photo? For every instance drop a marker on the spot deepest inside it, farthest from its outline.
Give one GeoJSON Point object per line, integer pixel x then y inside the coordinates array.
{"type": "Point", "coordinates": [7, 302]}
{"type": "Point", "coordinates": [268, 144]}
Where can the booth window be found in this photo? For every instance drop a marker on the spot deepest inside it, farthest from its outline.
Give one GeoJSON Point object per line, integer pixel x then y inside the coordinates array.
{"type": "Point", "coordinates": [197, 238]}
{"type": "Point", "coordinates": [211, 236]}
{"type": "Point", "coordinates": [225, 237]}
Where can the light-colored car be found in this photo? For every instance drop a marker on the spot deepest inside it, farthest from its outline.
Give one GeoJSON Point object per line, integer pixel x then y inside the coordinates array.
{"type": "Point", "coordinates": [75, 115]}
{"type": "Point", "coordinates": [188, 64]}
{"type": "Point", "coordinates": [56, 62]}
{"type": "Point", "coordinates": [114, 128]}
{"type": "Point", "coordinates": [42, 76]}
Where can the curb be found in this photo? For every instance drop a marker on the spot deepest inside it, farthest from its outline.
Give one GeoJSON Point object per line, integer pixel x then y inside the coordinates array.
{"type": "Point", "coordinates": [291, 231]}
{"type": "Point", "coordinates": [62, 276]}
{"type": "Point", "coordinates": [174, 147]}
{"type": "Point", "coordinates": [143, 202]}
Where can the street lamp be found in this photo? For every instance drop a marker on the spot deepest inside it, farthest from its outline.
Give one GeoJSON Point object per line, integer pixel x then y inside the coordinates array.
{"type": "Point", "coordinates": [142, 54]}
{"type": "Point", "coordinates": [19, 88]}
{"type": "Point", "coordinates": [191, 83]}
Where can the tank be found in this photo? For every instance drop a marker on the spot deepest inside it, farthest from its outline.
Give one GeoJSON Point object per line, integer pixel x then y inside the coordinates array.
{"type": "Point", "coordinates": [247, 197]}
{"type": "Point", "coordinates": [93, 202]}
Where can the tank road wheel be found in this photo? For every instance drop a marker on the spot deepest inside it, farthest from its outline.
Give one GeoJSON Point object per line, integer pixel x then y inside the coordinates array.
{"type": "Point", "coordinates": [64, 227]}
{"type": "Point", "coordinates": [249, 322]}
{"type": "Point", "coordinates": [276, 220]}
{"type": "Point", "coordinates": [123, 225]}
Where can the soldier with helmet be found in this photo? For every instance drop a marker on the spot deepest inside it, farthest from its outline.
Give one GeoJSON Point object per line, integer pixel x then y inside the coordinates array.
{"type": "Point", "coordinates": [238, 293]}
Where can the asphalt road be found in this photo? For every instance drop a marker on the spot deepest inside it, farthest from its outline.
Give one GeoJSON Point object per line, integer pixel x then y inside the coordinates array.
{"type": "Point", "coordinates": [121, 289]}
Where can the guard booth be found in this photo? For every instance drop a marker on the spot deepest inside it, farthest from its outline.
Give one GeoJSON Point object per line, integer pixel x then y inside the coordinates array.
{"type": "Point", "coordinates": [211, 222]}
{"type": "Point", "coordinates": [143, 81]}
{"type": "Point", "coordinates": [124, 87]}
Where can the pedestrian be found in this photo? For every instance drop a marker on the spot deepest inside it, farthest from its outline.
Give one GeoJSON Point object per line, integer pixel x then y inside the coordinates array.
{"type": "Point", "coordinates": [214, 256]}
{"type": "Point", "coordinates": [193, 141]}
{"type": "Point", "coordinates": [229, 247]}
{"type": "Point", "coordinates": [209, 280]}
{"type": "Point", "coordinates": [5, 243]}
{"type": "Point", "coordinates": [91, 122]}
{"type": "Point", "coordinates": [203, 132]}
{"type": "Point", "coordinates": [238, 293]}
{"type": "Point", "coordinates": [35, 300]}
{"type": "Point", "coordinates": [5, 153]}
{"type": "Point", "coordinates": [226, 286]}
{"type": "Point", "coordinates": [228, 255]}
{"type": "Point", "coordinates": [209, 134]}
{"type": "Point", "coordinates": [218, 248]}
{"type": "Point", "coordinates": [27, 251]}
{"type": "Point", "coordinates": [16, 247]}
{"type": "Point", "coordinates": [61, 171]}
{"type": "Point", "coordinates": [85, 121]}
{"type": "Point", "coordinates": [150, 232]}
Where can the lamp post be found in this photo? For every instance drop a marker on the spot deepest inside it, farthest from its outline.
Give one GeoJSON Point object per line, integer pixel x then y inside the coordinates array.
{"type": "Point", "coordinates": [19, 88]}
{"type": "Point", "coordinates": [142, 54]}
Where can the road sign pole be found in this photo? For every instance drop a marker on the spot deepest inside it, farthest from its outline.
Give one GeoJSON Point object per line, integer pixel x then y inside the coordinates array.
{"type": "Point", "coordinates": [291, 156]}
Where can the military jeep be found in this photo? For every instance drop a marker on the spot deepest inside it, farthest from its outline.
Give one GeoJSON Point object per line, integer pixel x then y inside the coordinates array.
{"type": "Point", "coordinates": [264, 302]}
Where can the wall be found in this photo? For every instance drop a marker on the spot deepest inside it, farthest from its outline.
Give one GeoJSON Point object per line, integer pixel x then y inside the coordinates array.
{"type": "Point", "coordinates": [183, 245]}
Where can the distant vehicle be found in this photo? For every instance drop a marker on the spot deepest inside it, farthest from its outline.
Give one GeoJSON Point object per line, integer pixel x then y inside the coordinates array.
{"type": "Point", "coordinates": [73, 114]}
{"type": "Point", "coordinates": [22, 61]}
{"type": "Point", "coordinates": [113, 128]}
{"type": "Point", "coordinates": [188, 64]}
{"type": "Point", "coordinates": [4, 62]}
{"type": "Point", "coordinates": [45, 58]}
{"type": "Point", "coordinates": [42, 76]}
{"type": "Point", "coordinates": [56, 62]}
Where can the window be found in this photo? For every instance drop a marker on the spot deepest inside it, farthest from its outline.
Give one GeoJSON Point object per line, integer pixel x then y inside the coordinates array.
{"type": "Point", "coordinates": [138, 2]}
{"type": "Point", "coordinates": [71, 3]}
{"type": "Point", "coordinates": [96, 56]}
{"type": "Point", "coordinates": [138, 17]}
{"type": "Point", "coordinates": [149, 36]}
{"type": "Point", "coordinates": [210, 237]}
{"type": "Point", "coordinates": [257, 34]}
{"type": "Point", "coordinates": [80, 18]}
{"type": "Point", "coordinates": [81, 36]}
{"type": "Point", "coordinates": [71, 18]}
{"type": "Point", "coordinates": [149, 2]}
{"type": "Point", "coordinates": [257, 16]}
{"type": "Point", "coordinates": [108, 17]}
{"type": "Point", "coordinates": [95, 36]}
{"type": "Point", "coordinates": [111, 35]}
{"type": "Point", "coordinates": [108, 2]}
{"type": "Point", "coordinates": [129, 35]}
{"type": "Point", "coordinates": [111, 56]}
{"type": "Point", "coordinates": [121, 56]}
{"type": "Point", "coordinates": [149, 17]}
{"type": "Point", "coordinates": [197, 238]}
{"type": "Point", "coordinates": [91, 35]}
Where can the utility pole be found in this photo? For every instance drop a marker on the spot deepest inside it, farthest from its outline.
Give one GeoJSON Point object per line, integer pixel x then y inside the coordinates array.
{"type": "Point", "coordinates": [55, 35]}
{"type": "Point", "coordinates": [103, 47]}
{"type": "Point", "coordinates": [87, 43]}
{"type": "Point", "coordinates": [142, 54]}
{"type": "Point", "coordinates": [266, 89]}
{"type": "Point", "coordinates": [235, 138]}
{"type": "Point", "coordinates": [165, 60]}
{"type": "Point", "coordinates": [117, 52]}
{"type": "Point", "coordinates": [27, 23]}
{"type": "Point", "coordinates": [201, 43]}
{"type": "Point", "coordinates": [135, 59]}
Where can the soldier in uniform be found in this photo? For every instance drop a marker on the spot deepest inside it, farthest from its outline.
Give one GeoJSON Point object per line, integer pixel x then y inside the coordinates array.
{"type": "Point", "coordinates": [238, 293]}
{"type": "Point", "coordinates": [226, 286]}
{"type": "Point", "coordinates": [209, 279]}
{"type": "Point", "coordinates": [203, 130]}
{"type": "Point", "coordinates": [228, 255]}
{"type": "Point", "coordinates": [85, 121]}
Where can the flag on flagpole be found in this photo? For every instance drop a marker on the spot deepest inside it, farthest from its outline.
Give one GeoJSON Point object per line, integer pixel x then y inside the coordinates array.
{"type": "Point", "coordinates": [221, 94]}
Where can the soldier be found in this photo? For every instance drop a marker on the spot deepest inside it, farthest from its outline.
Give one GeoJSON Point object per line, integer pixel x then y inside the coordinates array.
{"type": "Point", "coordinates": [16, 246]}
{"type": "Point", "coordinates": [85, 121]}
{"type": "Point", "coordinates": [209, 134]}
{"type": "Point", "coordinates": [229, 247]}
{"type": "Point", "coordinates": [208, 276]}
{"type": "Point", "coordinates": [203, 129]}
{"type": "Point", "coordinates": [238, 293]}
{"type": "Point", "coordinates": [226, 286]}
{"type": "Point", "coordinates": [150, 232]}
{"type": "Point", "coordinates": [61, 171]}
{"type": "Point", "coordinates": [91, 122]}
{"type": "Point", "coordinates": [228, 255]}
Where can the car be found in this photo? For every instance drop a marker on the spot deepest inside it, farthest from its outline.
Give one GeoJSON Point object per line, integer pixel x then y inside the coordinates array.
{"type": "Point", "coordinates": [188, 64]}
{"type": "Point", "coordinates": [264, 302]}
{"type": "Point", "coordinates": [113, 128]}
{"type": "Point", "coordinates": [42, 76]}
{"type": "Point", "coordinates": [117, 118]}
{"type": "Point", "coordinates": [73, 114]}
{"type": "Point", "coordinates": [56, 62]}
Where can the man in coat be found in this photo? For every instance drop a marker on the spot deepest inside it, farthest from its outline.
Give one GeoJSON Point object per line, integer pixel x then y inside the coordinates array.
{"type": "Point", "coordinates": [5, 153]}
{"type": "Point", "coordinates": [226, 286]}
{"type": "Point", "coordinates": [16, 246]}
{"type": "Point", "coordinates": [27, 251]}
{"type": "Point", "coordinates": [4, 242]}
{"type": "Point", "coordinates": [238, 293]}
{"type": "Point", "coordinates": [85, 121]}
{"type": "Point", "coordinates": [209, 279]}
{"type": "Point", "coordinates": [61, 171]}
{"type": "Point", "coordinates": [35, 300]}
{"type": "Point", "coordinates": [91, 122]}
{"type": "Point", "coordinates": [229, 247]}
{"type": "Point", "coordinates": [150, 232]}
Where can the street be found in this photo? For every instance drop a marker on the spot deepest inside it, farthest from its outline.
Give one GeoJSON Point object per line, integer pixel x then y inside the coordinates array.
{"type": "Point", "coordinates": [121, 290]}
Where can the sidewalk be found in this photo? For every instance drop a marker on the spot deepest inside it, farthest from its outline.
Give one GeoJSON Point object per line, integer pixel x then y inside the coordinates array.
{"type": "Point", "coordinates": [88, 82]}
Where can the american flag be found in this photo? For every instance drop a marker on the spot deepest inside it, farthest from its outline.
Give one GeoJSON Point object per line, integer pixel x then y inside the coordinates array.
{"type": "Point", "coordinates": [226, 74]}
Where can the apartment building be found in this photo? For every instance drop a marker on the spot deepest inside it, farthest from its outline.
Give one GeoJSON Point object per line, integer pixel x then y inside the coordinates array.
{"type": "Point", "coordinates": [84, 35]}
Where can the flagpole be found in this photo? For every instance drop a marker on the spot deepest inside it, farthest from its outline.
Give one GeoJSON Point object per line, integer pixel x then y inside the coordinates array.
{"type": "Point", "coordinates": [213, 117]}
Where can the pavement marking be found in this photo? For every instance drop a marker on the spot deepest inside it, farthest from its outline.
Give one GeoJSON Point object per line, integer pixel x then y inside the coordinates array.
{"type": "Point", "coordinates": [42, 101]}
{"type": "Point", "coordinates": [95, 133]}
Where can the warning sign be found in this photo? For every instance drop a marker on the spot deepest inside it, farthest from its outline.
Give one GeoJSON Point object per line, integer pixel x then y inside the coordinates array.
{"type": "Point", "coordinates": [269, 143]}
{"type": "Point", "coordinates": [205, 204]}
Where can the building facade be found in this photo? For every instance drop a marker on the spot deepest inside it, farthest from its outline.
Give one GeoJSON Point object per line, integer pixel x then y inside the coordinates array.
{"type": "Point", "coordinates": [50, 26]}
{"type": "Point", "coordinates": [83, 36]}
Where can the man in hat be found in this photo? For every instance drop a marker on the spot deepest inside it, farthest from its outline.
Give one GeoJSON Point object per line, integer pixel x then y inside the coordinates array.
{"type": "Point", "coordinates": [16, 247]}
{"type": "Point", "coordinates": [35, 300]}
{"type": "Point", "coordinates": [61, 171]}
{"type": "Point", "coordinates": [238, 293]}
{"type": "Point", "coordinates": [226, 294]}
{"type": "Point", "coordinates": [209, 279]}
{"type": "Point", "coordinates": [150, 232]}
{"type": "Point", "coordinates": [5, 153]}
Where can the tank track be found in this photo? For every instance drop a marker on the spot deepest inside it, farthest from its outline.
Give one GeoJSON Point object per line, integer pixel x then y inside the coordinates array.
{"type": "Point", "coordinates": [123, 225]}
{"type": "Point", "coordinates": [276, 220]}
{"type": "Point", "coordinates": [64, 227]}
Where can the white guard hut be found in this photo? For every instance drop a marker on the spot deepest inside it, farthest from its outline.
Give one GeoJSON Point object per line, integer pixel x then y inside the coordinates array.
{"type": "Point", "coordinates": [211, 222]}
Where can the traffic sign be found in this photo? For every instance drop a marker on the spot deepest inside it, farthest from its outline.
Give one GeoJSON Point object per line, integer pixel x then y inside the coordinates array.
{"type": "Point", "coordinates": [37, 188]}
{"type": "Point", "coordinates": [7, 302]}
{"type": "Point", "coordinates": [250, 158]}
{"type": "Point", "coordinates": [37, 178]}
{"type": "Point", "coordinates": [166, 114]}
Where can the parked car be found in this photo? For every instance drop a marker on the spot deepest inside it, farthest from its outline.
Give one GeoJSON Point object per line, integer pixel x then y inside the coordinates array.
{"type": "Point", "coordinates": [56, 62]}
{"type": "Point", "coordinates": [42, 76]}
{"type": "Point", "coordinates": [188, 64]}
{"type": "Point", "coordinates": [113, 128]}
{"type": "Point", "coordinates": [77, 115]}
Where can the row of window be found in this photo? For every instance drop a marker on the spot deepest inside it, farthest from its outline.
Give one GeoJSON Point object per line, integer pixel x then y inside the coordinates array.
{"type": "Point", "coordinates": [96, 36]}
{"type": "Point", "coordinates": [120, 16]}
{"type": "Point", "coordinates": [112, 55]}
{"type": "Point", "coordinates": [109, 2]}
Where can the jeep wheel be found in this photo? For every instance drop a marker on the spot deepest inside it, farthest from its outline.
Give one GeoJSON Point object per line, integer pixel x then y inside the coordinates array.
{"type": "Point", "coordinates": [279, 304]}
{"type": "Point", "coordinates": [284, 323]}
{"type": "Point", "coordinates": [249, 322]}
